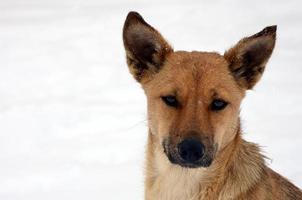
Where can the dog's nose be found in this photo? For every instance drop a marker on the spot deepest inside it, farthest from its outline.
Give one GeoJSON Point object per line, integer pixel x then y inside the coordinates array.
{"type": "Point", "coordinates": [190, 150]}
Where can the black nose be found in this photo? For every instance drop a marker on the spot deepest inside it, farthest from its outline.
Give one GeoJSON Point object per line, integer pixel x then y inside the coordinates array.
{"type": "Point", "coordinates": [190, 150]}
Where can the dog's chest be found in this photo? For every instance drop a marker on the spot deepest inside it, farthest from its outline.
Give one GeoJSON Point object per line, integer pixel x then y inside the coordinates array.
{"type": "Point", "coordinates": [172, 182]}
{"type": "Point", "coordinates": [175, 184]}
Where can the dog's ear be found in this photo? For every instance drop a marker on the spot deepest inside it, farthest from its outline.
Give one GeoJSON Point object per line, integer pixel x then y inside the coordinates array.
{"type": "Point", "coordinates": [247, 59]}
{"type": "Point", "coordinates": [146, 49]}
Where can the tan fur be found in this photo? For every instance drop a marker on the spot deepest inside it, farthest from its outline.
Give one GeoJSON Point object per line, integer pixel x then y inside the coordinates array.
{"type": "Point", "coordinates": [238, 170]}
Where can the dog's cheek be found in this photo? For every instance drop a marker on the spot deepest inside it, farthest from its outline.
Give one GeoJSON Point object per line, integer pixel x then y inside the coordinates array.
{"type": "Point", "coordinates": [165, 119]}
{"type": "Point", "coordinates": [218, 136]}
{"type": "Point", "coordinates": [159, 118]}
{"type": "Point", "coordinates": [225, 128]}
{"type": "Point", "coordinates": [229, 134]}
{"type": "Point", "coordinates": [152, 119]}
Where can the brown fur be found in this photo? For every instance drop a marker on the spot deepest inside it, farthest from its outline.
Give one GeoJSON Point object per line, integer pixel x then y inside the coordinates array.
{"type": "Point", "coordinates": [236, 168]}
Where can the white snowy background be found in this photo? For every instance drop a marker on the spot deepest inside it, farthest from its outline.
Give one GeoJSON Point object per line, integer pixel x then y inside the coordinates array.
{"type": "Point", "coordinates": [72, 119]}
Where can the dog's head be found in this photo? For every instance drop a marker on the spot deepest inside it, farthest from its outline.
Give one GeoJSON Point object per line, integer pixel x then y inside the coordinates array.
{"type": "Point", "coordinates": [193, 97]}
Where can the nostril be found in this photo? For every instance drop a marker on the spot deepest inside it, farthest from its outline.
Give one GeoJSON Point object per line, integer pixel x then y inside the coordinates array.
{"type": "Point", "coordinates": [191, 150]}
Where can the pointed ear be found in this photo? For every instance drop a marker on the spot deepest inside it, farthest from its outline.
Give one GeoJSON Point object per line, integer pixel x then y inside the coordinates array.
{"type": "Point", "coordinates": [146, 49]}
{"type": "Point", "coordinates": [247, 59]}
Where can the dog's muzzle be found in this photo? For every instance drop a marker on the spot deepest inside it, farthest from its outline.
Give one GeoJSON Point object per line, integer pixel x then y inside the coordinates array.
{"type": "Point", "coordinates": [190, 152]}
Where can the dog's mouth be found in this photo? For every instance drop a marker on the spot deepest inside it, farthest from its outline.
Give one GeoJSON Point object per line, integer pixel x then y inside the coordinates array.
{"type": "Point", "coordinates": [189, 154]}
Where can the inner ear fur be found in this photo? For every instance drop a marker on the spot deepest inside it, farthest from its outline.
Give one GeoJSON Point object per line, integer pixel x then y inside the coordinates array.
{"type": "Point", "coordinates": [146, 49]}
{"type": "Point", "coordinates": [247, 59]}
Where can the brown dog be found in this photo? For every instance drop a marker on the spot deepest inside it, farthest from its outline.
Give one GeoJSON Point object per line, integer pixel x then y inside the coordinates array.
{"type": "Point", "coordinates": [195, 149]}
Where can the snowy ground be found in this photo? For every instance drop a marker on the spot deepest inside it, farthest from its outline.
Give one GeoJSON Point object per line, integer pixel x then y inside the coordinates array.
{"type": "Point", "coordinates": [72, 120]}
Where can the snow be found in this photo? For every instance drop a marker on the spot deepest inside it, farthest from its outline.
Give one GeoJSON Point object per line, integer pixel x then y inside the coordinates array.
{"type": "Point", "coordinates": [72, 119]}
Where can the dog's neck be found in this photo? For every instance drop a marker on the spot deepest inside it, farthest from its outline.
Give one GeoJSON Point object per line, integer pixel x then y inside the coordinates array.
{"type": "Point", "coordinates": [239, 162]}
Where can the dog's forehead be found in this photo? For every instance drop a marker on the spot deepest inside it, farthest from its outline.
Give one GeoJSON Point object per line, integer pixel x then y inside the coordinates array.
{"type": "Point", "coordinates": [196, 66]}
{"type": "Point", "coordinates": [197, 61]}
{"type": "Point", "coordinates": [185, 73]}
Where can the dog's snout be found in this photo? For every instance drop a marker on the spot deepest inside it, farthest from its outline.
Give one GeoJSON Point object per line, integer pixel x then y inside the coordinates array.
{"type": "Point", "coordinates": [191, 150]}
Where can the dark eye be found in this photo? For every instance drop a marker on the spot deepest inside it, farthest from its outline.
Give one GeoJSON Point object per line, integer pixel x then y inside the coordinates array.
{"type": "Point", "coordinates": [218, 104]}
{"type": "Point", "coordinates": [170, 100]}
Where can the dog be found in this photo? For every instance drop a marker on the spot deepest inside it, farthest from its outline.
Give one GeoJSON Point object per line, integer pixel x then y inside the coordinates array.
{"type": "Point", "coordinates": [195, 148]}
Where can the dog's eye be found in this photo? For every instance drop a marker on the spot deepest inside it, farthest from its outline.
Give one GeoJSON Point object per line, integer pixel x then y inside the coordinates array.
{"type": "Point", "coordinates": [170, 100]}
{"type": "Point", "coordinates": [218, 104]}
